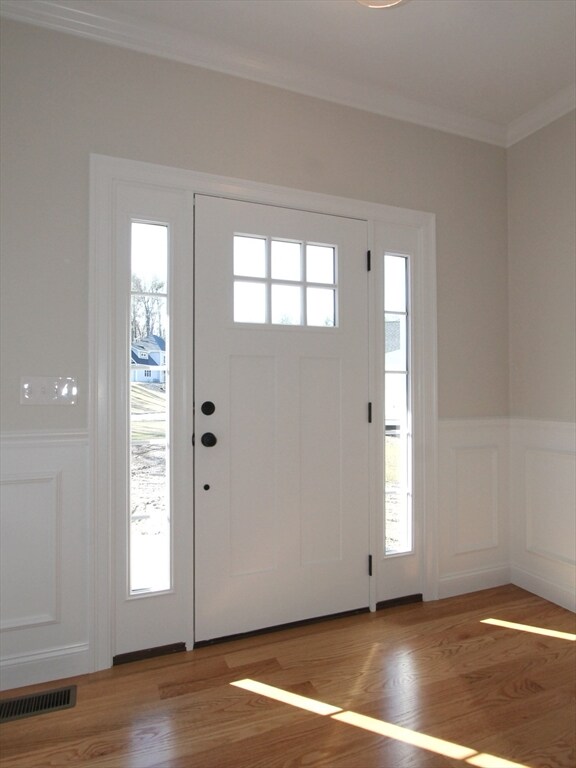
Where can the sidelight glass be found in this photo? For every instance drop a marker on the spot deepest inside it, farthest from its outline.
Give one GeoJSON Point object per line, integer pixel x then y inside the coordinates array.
{"type": "Point", "coordinates": [398, 537]}
{"type": "Point", "coordinates": [396, 353]}
{"type": "Point", "coordinates": [148, 372]}
{"type": "Point", "coordinates": [395, 284]}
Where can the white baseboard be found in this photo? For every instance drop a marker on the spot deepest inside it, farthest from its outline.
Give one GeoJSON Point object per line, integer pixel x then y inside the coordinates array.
{"type": "Point", "coordinates": [44, 666]}
{"type": "Point", "coordinates": [544, 588]}
{"type": "Point", "coordinates": [453, 584]}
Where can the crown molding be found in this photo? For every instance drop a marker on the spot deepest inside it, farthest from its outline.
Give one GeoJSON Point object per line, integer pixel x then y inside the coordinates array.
{"type": "Point", "coordinates": [544, 114]}
{"type": "Point", "coordinates": [172, 44]}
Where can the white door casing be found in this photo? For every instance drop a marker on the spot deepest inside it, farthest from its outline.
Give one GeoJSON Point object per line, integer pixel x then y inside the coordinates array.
{"type": "Point", "coordinates": [108, 175]}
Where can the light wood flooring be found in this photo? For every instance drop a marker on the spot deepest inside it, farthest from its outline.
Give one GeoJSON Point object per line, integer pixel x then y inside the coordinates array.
{"type": "Point", "coordinates": [489, 696]}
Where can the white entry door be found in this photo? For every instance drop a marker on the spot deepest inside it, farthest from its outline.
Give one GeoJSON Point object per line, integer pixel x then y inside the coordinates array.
{"type": "Point", "coordinates": [281, 416]}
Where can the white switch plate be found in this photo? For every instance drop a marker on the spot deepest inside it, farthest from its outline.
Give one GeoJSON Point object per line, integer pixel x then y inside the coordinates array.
{"type": "Point", "coordinates": [48, 390]}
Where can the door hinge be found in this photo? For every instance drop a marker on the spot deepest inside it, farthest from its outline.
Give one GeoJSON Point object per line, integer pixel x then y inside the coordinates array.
{"type": "Point", "coordinates": [369, 565]}
{"type": "Point", "coordinates": [369, 413]}
{"type": "Point", "coordinates": [368, 260]}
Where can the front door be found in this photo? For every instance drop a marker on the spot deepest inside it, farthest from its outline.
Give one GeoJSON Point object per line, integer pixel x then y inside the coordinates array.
{"type": "Point", "coordinates": [281, 416]}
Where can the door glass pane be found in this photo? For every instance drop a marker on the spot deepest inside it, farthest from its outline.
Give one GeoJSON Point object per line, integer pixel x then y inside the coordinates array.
{"type": "Point", "coordinates": [286, 305]}
{"type": "Point", "coordinates": [150, 533]}
{"type": "Point", "coordinates": [320, 309]}
{"type": "Point", "coordinates": [249, 302]}
{"type": "Point", "coordinates": [286, 260]}
{"type": "Point", "coordinates": [395, 337]}
{"type": "Point", "coordinates": [249, 256]}
{"type": "Point", "coordinates": [320, 264]}
{"type": "Point", "coordinates": [281, 282]}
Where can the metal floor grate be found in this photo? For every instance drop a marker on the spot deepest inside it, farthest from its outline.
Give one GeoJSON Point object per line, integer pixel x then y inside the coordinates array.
{"type": "Point", "coordinates": [37, 703]}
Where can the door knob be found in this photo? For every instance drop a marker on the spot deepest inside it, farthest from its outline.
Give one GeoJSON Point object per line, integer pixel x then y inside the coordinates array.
{"type": "Point", "coordinates": [208, 439]}
{"type": "Point", "coordinates": [208, 408]}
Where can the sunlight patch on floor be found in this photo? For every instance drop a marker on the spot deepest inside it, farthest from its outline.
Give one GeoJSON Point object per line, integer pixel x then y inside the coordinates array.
{"type": "Point", "coordinates": [294, 699]}
{"type": "Point", "coordinates": [441, 747]}
{"type": "Point", "coordinates": [530, 628]}
{"type": "Point", "coordinates": [381, 727]}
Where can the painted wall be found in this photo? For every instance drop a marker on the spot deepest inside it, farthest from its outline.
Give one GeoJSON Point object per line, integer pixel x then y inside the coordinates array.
{"type": "Point", "coordinates": [64, 97]}
{"type": "Point", "coordinates": [542, 273]}
{"type": "Point", "coordinates": [542, 279]}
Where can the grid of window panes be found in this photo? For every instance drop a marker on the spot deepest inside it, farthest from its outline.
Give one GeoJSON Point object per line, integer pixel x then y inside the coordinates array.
{"type": "Point", "coordinates": [284, 282]}
{"type": "Point", "coordinates": [397, 436]}
{"type": "Point", "coordinates": [149, 497]}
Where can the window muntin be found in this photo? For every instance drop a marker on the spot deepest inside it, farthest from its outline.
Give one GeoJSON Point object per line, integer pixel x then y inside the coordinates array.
{"type": "Point", "coordinates": [284, 282]}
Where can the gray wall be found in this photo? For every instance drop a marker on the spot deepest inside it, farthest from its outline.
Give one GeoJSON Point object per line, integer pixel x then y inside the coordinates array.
{"type": "Point", "coordinates": [64, 97]}
{"type": "Point", "coordinates": [542, 273]}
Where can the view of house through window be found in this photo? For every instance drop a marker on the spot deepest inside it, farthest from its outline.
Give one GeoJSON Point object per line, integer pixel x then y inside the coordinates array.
{"type": "Point", "coordinates": [397, 430]}
{"type": "Point", "coordinates": [149, 504]}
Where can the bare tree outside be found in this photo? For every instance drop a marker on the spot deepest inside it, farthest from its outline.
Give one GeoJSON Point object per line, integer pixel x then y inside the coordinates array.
{"type": "Point", "coordinates": [147, 300]}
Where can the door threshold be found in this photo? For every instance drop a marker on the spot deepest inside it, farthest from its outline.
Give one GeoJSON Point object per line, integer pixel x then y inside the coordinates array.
{"type": "Point", "coordinates": [148, 653]}
{"type": "Point", "coordinates": [280, 627]}
{"type": "Point", "coordinates": [405, 600]}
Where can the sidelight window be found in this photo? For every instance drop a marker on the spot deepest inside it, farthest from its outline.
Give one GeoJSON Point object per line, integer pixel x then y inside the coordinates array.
{"type": "Point", "coordinates": [398, 533]}
{"type": "Point", "coordinates": [149, 508]}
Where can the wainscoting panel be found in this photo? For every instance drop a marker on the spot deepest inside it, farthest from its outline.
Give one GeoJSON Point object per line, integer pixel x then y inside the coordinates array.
{"type": "Point", "coordinates": [30, 540]}
{"type": "Point", "coordinates": [550, 494]}
{"type": "Point", "coordinates": [473, 542]}
{"type": "Point", "coordinates": [475, 508]}
{"type": "Point", "coordinates": [45, 595]}
{"type": "Point", "coordinates": [543, 509]}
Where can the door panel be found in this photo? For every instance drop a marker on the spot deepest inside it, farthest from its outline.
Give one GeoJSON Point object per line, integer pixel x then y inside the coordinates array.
{"type": "Point", "coordinates": [282, 507]}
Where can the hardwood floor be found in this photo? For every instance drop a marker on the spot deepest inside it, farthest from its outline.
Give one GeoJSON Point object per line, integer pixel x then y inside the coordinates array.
{"type": "Point", "coordinates": [489, 696]}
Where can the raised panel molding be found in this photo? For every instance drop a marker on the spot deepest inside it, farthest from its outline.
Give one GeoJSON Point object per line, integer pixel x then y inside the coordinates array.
{"type": "Point", "coordinates": [550, 491]}
{"type": "Point", "coordinates": [45, 555]}
{"type": "Point", "coordinates": [30, 536]}
{"type": "Point", "coordinates": [543, 508]}
{"type": "Point", "coordinates": [475, 506]}
{"type": "Point", "coordinates": [473, 530]}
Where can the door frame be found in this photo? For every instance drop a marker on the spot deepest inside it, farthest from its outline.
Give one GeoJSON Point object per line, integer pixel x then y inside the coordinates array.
{"type": "Point", "coordinates": [106, 173]}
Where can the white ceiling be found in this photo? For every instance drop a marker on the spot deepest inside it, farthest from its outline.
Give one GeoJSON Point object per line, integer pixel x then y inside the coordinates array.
{"type": "Point", "coordinates": [493, 70]}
